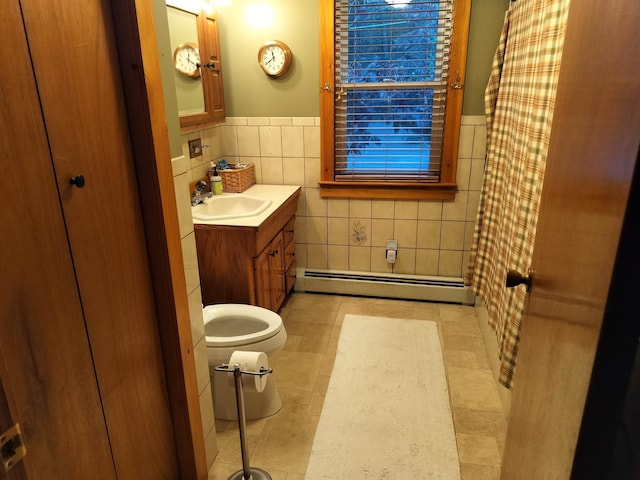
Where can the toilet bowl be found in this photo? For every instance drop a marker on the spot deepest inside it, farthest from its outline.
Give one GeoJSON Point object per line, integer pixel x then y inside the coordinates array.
{"type": "Point", "coordinates": [229, 327]}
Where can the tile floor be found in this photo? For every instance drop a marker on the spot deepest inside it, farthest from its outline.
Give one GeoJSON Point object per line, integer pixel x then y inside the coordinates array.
{"type": "Point", "coordinates": [281, 444]}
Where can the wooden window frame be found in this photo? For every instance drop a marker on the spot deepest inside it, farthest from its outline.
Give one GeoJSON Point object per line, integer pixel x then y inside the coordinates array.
{"type": "Point", "coordinates": [446, 188]}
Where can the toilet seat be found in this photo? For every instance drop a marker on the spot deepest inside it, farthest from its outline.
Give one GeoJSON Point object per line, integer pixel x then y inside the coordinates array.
{"type": "Point", "coordinates": [254, 324]}
{"type": "Point", "coordinates": [232, 327]}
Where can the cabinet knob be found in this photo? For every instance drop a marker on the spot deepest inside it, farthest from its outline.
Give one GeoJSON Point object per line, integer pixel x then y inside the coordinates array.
{"type": "Point", "coordinates": [274, 253]}
{"type": "Point", "coordinates": [78, 181]}
{"type": "Point", "coordinates": [290, 231]}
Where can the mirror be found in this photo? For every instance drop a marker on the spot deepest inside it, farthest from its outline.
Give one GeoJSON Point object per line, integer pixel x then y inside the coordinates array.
{"type": "Point", "coordinates": [200, 95]}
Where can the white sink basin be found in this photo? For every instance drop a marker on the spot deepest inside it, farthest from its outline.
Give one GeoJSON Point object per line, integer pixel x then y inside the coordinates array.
{"type": "Point", "coordinates": [220, 207]}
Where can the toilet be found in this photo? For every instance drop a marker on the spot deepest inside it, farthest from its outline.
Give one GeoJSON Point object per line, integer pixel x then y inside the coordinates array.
{"type": "Point", "coordinates": [229, 327]}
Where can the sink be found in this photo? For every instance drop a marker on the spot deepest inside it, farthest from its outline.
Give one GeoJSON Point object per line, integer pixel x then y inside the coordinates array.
{"type": "Point", "coordinates": [220, 207]}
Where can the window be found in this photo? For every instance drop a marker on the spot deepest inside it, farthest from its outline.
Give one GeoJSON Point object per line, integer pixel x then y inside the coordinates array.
{"type": "Point", "coordinates": [391, 78]}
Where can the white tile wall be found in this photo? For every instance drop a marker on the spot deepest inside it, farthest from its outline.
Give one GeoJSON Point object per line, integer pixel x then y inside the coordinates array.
{"type": "Point", "coordinates": [434, 237]}
{"type": "Point", "coordinates": [186, 170]}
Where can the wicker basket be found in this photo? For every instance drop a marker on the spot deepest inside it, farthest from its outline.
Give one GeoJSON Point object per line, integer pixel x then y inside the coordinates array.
{"type": "Point", "coordinates": [237, 180]}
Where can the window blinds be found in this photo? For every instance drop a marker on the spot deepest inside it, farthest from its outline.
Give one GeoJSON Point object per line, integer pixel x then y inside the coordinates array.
{"type": "Point", "coordinates": [391, 84]}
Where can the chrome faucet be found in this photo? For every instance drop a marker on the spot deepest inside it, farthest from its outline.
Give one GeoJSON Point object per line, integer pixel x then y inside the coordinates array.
{"type": "Point", "coordinates": [200, 193]}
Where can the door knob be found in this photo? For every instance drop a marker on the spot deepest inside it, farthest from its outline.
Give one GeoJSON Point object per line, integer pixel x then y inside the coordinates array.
{"type": "Point", "coordinates": [78, 181]}
{"type": "Point", "coordinates": [515, 278]}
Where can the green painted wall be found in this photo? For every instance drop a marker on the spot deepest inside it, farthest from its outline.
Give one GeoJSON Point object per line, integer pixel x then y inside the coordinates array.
{"type": "Point", "coordinates": [166, 69]}
{"type": "Point", "coordinates": [487, 17]}
{"type": "Point", "coordinates": [250, 93]}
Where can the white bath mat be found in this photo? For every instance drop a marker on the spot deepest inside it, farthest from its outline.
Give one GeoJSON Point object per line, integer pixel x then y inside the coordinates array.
{"type": "Point", "coordinates": [386, 414]}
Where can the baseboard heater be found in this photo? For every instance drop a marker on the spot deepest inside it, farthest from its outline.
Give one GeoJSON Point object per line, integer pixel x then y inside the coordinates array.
{"type": "Point", "coordinates": [409, 287]}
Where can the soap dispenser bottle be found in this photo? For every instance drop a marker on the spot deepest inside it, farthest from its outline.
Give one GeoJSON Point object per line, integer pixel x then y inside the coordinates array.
{"type": "Point", "coordinates": [216, 182]}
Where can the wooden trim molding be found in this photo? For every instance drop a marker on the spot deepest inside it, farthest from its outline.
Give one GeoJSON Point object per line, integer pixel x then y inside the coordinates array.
{"type": "Point", "coordinates": [139, 63]}
{"type": "Point", "coordinates": [443, 190]}
{"type": "Point", "coordinates": [389, 190]}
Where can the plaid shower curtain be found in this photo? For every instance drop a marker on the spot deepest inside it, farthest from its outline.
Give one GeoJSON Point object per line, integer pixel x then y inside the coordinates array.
{"type": "Point", "coordinates": [519, 102]}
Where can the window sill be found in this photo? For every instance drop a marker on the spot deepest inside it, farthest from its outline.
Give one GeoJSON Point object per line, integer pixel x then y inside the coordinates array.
{"type": "Point", "coordinates": [388, 190]}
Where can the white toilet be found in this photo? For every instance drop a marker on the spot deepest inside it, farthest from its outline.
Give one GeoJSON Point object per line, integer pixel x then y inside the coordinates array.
{"type": "Point", "coordinates": [229, 327]}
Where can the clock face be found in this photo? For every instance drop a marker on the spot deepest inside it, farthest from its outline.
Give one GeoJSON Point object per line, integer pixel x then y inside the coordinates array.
{"type": "Point", "coordinates": [186, 60]}
{"type": "Point", "coordinates": [275, 58]}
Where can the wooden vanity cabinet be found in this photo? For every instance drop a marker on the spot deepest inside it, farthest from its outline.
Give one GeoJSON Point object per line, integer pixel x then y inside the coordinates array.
{"type": "Point", "coordinates": [250, 265]}
{"type": "Point", "coordinates": [269, 273]}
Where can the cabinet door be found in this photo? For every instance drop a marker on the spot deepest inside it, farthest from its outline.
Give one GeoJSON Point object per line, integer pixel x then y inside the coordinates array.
{"type": "Point", "coordinates": [47, 367]}
{"type": "Point", "coordinates": [89, 135]}
{"type": "Point", "coordinates": [74, 58]}
{"type": "Point", "coordinates": [276, 272]}
{"type": "Point", "coordinates": [269, 272]}
{"type": "Point", "coordinates": [263, 293]}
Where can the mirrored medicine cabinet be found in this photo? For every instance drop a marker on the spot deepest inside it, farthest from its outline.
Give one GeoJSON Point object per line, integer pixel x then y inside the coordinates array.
{"type": "Point", "coordinates": [200, 95]}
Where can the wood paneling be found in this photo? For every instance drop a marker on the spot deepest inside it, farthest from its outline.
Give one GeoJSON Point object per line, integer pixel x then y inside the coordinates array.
{"type": "Point", "coordinates": [43, 339]}
{"type": "Point", "coordinates": [147, 123]}
{"type": "Point", "coordinates": [592, 155]}
{"type": "Point", "coordinates": [92, 281]}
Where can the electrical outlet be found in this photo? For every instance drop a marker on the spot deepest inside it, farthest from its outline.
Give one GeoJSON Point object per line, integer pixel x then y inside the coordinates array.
{"type": "Point", "coordinates": [392, 251]}
{"type": "Point", "coordinates": [195, 148]}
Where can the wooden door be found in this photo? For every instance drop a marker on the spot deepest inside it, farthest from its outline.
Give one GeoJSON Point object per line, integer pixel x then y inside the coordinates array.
{"type": "Point", "coordinates": [78, 327]}
{"type": "Point", "coordinates": [48, 380]}
{"type": "Point", "coordinates": [592, 154]}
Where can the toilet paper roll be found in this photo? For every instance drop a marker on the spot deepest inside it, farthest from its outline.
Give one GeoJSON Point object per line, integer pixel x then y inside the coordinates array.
{"type": "Point", "coordinates": [250, 362]}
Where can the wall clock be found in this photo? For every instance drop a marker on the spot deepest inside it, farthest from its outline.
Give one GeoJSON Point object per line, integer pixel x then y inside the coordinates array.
{"type": "Point", "coordinates": [186, 60]}
{"type": "Point", "coordinates": [274, 58]}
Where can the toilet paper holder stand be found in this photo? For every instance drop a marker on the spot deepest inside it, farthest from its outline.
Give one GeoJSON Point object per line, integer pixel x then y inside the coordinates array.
{"type": "Point", "coordinates": [247, 472]}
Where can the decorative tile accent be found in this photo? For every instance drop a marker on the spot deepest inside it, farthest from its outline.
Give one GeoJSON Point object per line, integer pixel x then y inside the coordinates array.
{"type": "Point", "coordinates": [358, 233]}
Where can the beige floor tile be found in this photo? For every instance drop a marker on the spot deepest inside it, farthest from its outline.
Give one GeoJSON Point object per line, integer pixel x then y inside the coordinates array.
{"type": "Point", "coordinates": [426, 311]}
{"type": "Point", "coordinates": [386, 308]}
{"type": "Point", "coordinates": [281, 444]}
{"type": "Point", "coordinates": [458, 342]}
{"type": "Point", "coordinates": [275, 474]}
{"type": "Point", "coordinates": [293, 343]}
{"type": "Point", "coordinates": [460, 358]}
{"type": "Point", "coordinates": [294, 476]}
{"type": "Point", "coordinates": [286, 446]}
{"type": "Point", "coordinates": [316, 338]}
{"type": "Point", "coordinates": [229, 447]}
{"type": "Point", "coordinates": [481, 355]}
{"type": "Point", "coordinates": [479, 422]}
{"type": "Point", "coordinates": [311, 315]}
{"type": "Point", "coordinates": [296, 370]}
{"type": "Point", "coordinates": [457, 327]}
{"type": "Point", "coordinates": [315, 407]}
{"type": "Point", "coordinates": [469, 471]}
{"type": "Point", "coordinates": [294, 327]}
{"type": "Point", "coordinates": [252, 427]}
{"type": "Point", "coordinates": [449, 312]}
{"type": "Point", "coordinates": [295, 401]}
{"type": "Point", "coordinates": [351, 305]}
{"type": "Point", "coordinates": [478, 449]}
{"type": "Point", "coordinates": [473, 388]}
{"type": "Point", "coordinates": [500, 440]}
{"type": "Point", "coordinates": [315, 301]}
{"type": "Point", "coordinates": [222, 471]}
